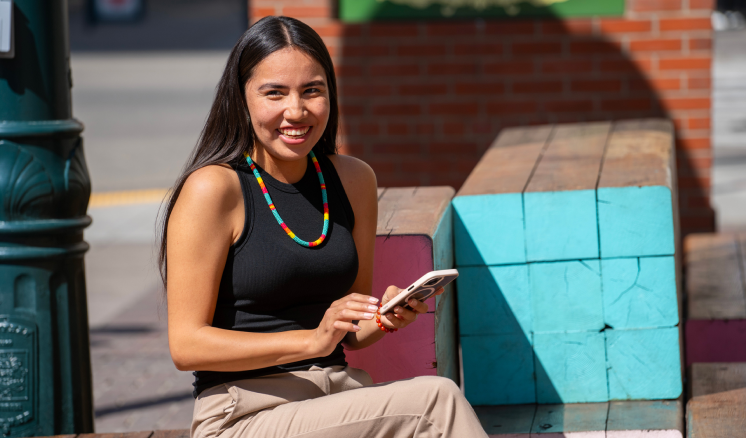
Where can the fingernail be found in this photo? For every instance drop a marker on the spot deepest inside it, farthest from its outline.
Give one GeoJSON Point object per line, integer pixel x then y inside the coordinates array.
{"type": "Point", "coordinates": [389, 316]}
{"type": "Point", "coordinates": [368, 315]}
{"type": "Point", "coordinates": [397, 309]}
{"type": "Point", "coordinates": [371, 308]}
{"type": "Point", "coordinates": [413, 302]}
{"type": "Point", "coordinates": [372, 299]}
{"type": "Point", "coordinates": [356, 327]}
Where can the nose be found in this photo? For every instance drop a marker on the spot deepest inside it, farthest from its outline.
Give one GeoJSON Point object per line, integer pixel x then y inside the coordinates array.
{"type": "Point", "coordinates": [295, 109]}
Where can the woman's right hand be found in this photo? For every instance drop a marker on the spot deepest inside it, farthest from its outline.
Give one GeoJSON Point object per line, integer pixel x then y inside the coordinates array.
{"type": "Point", "coordinates": [337, 321]}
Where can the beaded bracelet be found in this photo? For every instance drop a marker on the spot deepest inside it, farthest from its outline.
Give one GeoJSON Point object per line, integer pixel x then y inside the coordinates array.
{"type": "Point", "coordinates": [378, 320]}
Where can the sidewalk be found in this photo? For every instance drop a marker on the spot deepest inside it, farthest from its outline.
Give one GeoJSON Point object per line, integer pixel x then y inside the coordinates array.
{"type": "Point", "coordinates": [729, 130]}
{"type": "Point", "coordinates": [135, 384]}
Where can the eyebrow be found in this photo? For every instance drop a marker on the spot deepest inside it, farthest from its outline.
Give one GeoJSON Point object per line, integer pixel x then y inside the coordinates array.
{"type": "Point", "coordinates": [273, 85]}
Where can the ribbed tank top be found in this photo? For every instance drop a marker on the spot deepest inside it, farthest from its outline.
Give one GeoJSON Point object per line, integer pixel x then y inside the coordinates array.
{"type": "Point", "coordinates": [272, 284]}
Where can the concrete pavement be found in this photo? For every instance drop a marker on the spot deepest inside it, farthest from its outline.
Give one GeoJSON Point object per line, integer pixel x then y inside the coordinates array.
{"type": "Point", "coordinates": [729, 130]}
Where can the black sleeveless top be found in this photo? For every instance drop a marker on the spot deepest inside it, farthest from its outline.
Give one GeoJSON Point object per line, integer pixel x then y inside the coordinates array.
{"type": "Point", "coordinates": [271, 283]}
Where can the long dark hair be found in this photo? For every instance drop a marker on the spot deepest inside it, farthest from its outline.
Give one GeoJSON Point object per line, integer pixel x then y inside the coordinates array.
{"type": "Point", "coordinates": [228, 134]}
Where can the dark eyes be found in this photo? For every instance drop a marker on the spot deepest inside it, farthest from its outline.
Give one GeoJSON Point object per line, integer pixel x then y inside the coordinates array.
{"type": "Point", "coordinates": [307, 91]}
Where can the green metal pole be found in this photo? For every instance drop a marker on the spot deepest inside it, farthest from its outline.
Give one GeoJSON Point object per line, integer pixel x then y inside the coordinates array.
{"type": "Point", "coordinates": [45, 367]}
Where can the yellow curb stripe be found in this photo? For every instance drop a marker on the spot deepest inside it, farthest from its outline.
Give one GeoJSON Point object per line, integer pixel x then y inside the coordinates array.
{"type": "Point", "coordinates": [119, 198]}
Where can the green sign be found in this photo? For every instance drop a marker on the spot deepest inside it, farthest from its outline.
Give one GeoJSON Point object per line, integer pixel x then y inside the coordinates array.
{"type": "Point", "coordinates": [368, 10]}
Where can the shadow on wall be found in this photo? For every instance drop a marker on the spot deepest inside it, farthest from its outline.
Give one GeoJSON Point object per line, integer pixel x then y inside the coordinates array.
{"type": "Point", "coordinates": [422, 101]}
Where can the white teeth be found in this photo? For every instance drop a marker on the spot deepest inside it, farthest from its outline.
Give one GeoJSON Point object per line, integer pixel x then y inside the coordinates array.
{"type": "Point", "coordinates": [294, 132]}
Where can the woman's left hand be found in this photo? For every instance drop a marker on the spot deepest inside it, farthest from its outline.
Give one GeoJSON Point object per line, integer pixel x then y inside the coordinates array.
{"type": "Point", "coordinates": [400, 317]}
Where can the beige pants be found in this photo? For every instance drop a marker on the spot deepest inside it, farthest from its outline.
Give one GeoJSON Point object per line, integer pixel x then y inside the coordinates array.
{"type": "Point", "coordinates": [334, 402]}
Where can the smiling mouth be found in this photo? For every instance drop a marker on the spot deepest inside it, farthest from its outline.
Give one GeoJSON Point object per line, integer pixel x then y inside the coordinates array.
{"type": "Point", "coordinates": [294, 133]}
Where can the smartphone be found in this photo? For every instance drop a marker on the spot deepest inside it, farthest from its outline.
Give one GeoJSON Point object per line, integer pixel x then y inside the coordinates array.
{"type": "Point", "coordinates": [423, 288]}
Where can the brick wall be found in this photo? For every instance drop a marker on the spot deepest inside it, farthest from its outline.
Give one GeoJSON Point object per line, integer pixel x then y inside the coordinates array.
{"type": "Point", "coordinates": [421, 101]}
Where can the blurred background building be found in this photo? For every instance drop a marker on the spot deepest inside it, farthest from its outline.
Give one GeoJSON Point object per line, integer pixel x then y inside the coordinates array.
{"type": "Point", "coordinates": [423, 94]}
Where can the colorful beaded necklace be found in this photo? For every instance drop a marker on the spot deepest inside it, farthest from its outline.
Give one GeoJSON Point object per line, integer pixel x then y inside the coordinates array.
{"type": "Point", "coordinates": [277, 215]}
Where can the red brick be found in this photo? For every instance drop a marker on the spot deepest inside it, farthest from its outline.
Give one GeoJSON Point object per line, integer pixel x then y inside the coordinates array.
{"type": "Point", "coordinates": [354, 149]}
{"type": "Point", "coordinates": [479, 88]}
{"type": "Point", "coordinates": [667, 24]}
{"type": "Point", "coordinates": [613, 26]}
{"type": "Point", "coordinates": [537, 87]}
{"type": "Point", "coordinates": [694, 143]}
{"type": "Point", "coordinates": [381, 165]}
{"type": "Point", "coordinates": [511, 107]}
{"type": "Point", "coordinates": [547, 48]}
{"type": "Point", "coordinates": [454, 108]}
{"type": "Point", "coordinates": [453, 147]}
{"type": "Point", "coordinates": [509, 68]}
{"type": "Point", "coordinates": [347, 70]}
{"type": "Point", "coordinates": [686, 103]}
{"type": "Point", "coordinates": [693, 182]}
{"type": "Point", "coordinates": [334, 29]}
{"type": "Point", "coordinates": [257, 13]}
{"type": "Point", "coordinates": [655, 84]}
{"type": "Point", "coordinates": [307, 11]}
{"type": "Point", "coordinates": [569, 105]}
{"type": "Point", "coordinates": [697, 225]}
{"type": "Point", "coordinates": [396, 110]}
{"type": "Point", "coordinates": [695, 202]}
{"type": "Point", "coordinates": [393, 30]}
{"type": "Point", "coordinates": [453, 128]}
{"type": "Point", "coordinates": [585, 47]}
{"type": "Point", "coordinates": [701, 83]}
{"type": "Point", "coordinates": [700, 44]}
{"type": "Point", "coordinates": [654, 45]}
{"type": "Point", "coordinates": [702, 4]}
{"type": "Point", "coordinates": [688, 63]}
{"type": "Point", "coordinates": [481, 128]}
{"type": "Point", "coordinates": [395, 70]}
{"type": "Point", "coordinates": [634, 65]}
{"type": "Point", "coordinates": [478, 49]}
{"type": "Point", "coordinates": [505, 27]}
{"type": "Point", "coordinates": [454, 28]}
{"type": "Point", "coordinates": [400, 181]}
{"type": "Point", "coordinates": [565, 27]}
{"type": "Point", "coordinates": [412, 147]}
{"type": "Point", "coordinates": [567, 66]}
{"type": "Point", "coordinates": [421, 50]}
{"type": "Point", "coordinates": [367, 90]}
{"type": "Point", "coordinates": [422, 89]}
{"type": "Point", "coordinates": [637, 104]}
{"type": "Point", "coordinates": [424, 128]}
{"type": "Point", "coordinates": [366, 50]}
{"type": "Point", "coordinates": [452, 69]}
{"type": "Point", "coordinates": [368, 129]}
{"type": "Point", "coordinates": [397, 129]}
{"type": "Point", "coordinates": [351, 110]}
{"type": "Point", "coordinates": [653, 5]}
{"type": "Point", "coordinates": [699, 123]}
{"type": "Point", "coordinates": [596, 85]}
{"type": "Point", "coordinates": [424, 165]}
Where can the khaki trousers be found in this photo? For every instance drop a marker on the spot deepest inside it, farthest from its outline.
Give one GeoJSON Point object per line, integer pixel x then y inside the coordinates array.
{"type": "Point", "coordinates": [335, 401]}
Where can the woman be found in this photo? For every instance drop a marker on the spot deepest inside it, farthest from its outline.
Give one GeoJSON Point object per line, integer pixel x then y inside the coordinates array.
{"type": "Point", "coordinates": [256, 310]}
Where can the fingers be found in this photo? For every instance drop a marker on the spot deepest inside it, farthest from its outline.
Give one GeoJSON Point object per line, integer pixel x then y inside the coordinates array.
{"type": "Point", "coordinates": [417, 306]}
{"type": "Point", "coordinates": [346, 326]}
{"type": "Point", "coordinates": [363, 298]}
{"type": "Point", "coordinates": [391, 292]}
{"type": "Point", "coordinates": [440, 291]}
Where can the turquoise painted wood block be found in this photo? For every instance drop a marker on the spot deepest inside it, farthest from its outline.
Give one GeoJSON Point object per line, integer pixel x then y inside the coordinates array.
{"type": "Point", "coordinates": [494, 300]}
{"type": "Point", "coordinates": [644, 363]}
{"type": "Point", "coordinates": [570, 367]}
{"type": "Point", "coordinates": [640, 292]}
{"type": "Point", "coordinates": [566, 296]}
{"type": "Point", "coordinates": [488, 229]}
{"type": "Point", "coordinates": [635, 221]}
{"type": "Point", "coordinates": [561, 225]}
{"type": "Point", "coordinates": [498, 369]}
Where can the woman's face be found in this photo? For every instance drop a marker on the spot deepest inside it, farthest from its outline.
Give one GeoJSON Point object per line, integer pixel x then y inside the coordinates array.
{"type": "Point", "coordinates": [288, 101]}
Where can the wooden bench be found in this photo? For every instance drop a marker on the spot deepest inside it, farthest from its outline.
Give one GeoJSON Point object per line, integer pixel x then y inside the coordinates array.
{"type": "Point", "coordinates": [566, 235]}
{"type": "Point", "coordinates": [717, 407]}
{"type": "Point", "coordinates": [414, 236]}
{"type": "Point", "coordinates": [716, 297]}
{"type": "Point", "coordinates": [604, 419]}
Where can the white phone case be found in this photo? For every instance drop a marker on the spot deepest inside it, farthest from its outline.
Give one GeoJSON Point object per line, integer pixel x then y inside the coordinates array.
{"type": "Point", "coordinates": [423, 288]}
